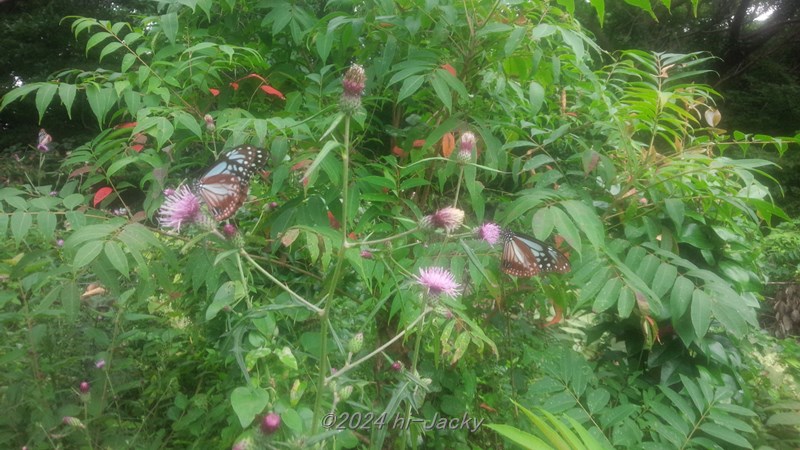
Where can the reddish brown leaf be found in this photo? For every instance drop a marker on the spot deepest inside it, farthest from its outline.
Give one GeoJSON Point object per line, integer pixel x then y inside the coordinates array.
{"type": "Point", "coordinates": [448, 144]}
{"type": "Point", "coordinates": [80, 171]}
{"type": "Point", "coordinates": [125, 125]}
{"type": "Point", "coordinates": [214, 92]}
{"type": "Point", "coordinates": [399, 152]}
{"type": "Point", "coordinates": [334, 223]}
{"type": "Point", "coordinates": [272, 91]}
{"type": "Point", "coordinates": [101, 193]}
{"type": "Point", "coordinates": [419, 143]}
{"type": "Point", "coordinates": [254, 75]}
{"type": "Point", "coordinates": [449, 68]}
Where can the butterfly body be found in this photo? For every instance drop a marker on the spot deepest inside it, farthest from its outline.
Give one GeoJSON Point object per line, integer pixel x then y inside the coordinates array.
{"type": "Point", "coordinates": [225, 185]}
{"type": "Point", "coordinates": [525, 256]}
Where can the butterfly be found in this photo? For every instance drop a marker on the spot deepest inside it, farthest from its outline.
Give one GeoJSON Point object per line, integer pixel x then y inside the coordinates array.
{"type": "Point", "coordinates": [524, 256]}
{"type": "Point", "coordinates": [224, 186]}
{"type": "Point", "coordinates": [44, 141]}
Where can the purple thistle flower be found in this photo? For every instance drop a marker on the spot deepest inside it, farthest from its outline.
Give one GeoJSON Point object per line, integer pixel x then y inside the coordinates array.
{"type": "Point", "coordinates": [169, 192]}
{"type": "Point", "coordinates": [447, 218]}
{"type": "Point", "coordinates": [84, 387]}
{"type": "Point", "coordinates": [181, 208]}
{"type": "Point", "coordinates": [229, 230]}
{"type": "Point", "coordinates": [438, 280]}
{"type": "Point", "coordinates": [60, 243]}
{"type": "Point", "coordinates": [489, 232]}
{"type": "Point", "coordinates": [100, 364]}
{"type": "Point", "coordinates": [270, 423]}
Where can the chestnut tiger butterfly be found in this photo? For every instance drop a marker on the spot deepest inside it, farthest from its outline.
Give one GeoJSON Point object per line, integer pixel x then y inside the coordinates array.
{"type": "Point", "coordinates": [524, 256]}
{"type": "Point", "coordinates": [224, 186]}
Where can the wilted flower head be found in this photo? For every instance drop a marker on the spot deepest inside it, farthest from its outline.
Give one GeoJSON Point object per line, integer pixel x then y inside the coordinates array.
{"type": "Point", "coordinates": [354, 82]}
{"type": "Point", "coordinates": [448, 218]}
{"type": "Point", "coordinates": [72, 421]}
{"type": "Point", "coordinates": [437, 280]}
{"type": "Point", "coordinates": [180, 208]}
{"type": "Point", "coordinates": [466, 146]}
{"type": "Point", "coordinates": [210, 126]}
{"type": "Point", "coordinates": [489, 232]}
{"type": "Point", "coordinates": [270, 423]}
{"type": "Point", "coordinates": [244, 444]}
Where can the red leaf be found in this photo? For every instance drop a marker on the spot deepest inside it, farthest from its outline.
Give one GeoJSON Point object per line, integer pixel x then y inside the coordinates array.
{"type": "Point", "coordinates": [449, 68]}
{"type": "Point", "coordinates": [235, 86]}
{"type": "Point", "coordinates": [254, 75]}
{"type": "Point", "coordinates": [272, 91]}
{"type": "Point", "coordinates": [334, 223]}
{"type": "Point", "coordinates": [302, 164]}
{"type": "Point", "coordinates": [101, 193]}
{"type": "Point", "coordinates": [125, 125]}
{"type": "Point", "coordinates": [214, 92]}
{"type": "Point", "coordinates": [399, 152]}
{"type": "Point", "coordinates": [137, 148]}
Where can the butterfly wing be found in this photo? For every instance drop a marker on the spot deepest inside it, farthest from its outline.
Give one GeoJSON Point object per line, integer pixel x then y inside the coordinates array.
{"type": "Point", "coordinates": [224, 186]}
{"type": "Point", "coordinates": [524, 256]}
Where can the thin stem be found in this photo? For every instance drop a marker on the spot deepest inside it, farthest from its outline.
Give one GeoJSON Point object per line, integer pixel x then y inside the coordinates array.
{"type": "Point", "coordinates": [281, 285]}
{"type": "Point", "coordinates": [458, 186]}
{"type": "Point", "coordinates": [382, 240]}
{"type": "Point", "coordinates": [383, 347]}
{"type": "Point", "coordinates": [328, 299]}
{"type": "Point", "coordinates": [415, 359]}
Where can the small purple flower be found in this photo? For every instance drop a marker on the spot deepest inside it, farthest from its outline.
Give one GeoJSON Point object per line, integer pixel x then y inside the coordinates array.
{"type": "Point", "coordinates": [489, 232]}
{"type": "Point", "coordinates": [466, 147]}
{"type": "Point", "coordinates": [60, 243]}
{"type": "Point", "coordinates": [366, 254]}
{"type": "Point", "coordinates": [53, 193]}
{"type": "Point", "coordinates": [100, 363]}
{"type": "Point", "coordinates": [84, 387]}
{"type": "Point", "coordinates": [438, 280]}
{"type": "Point", "coordinates": [447, 218]}
{"type": "Point", "coordinates": [229, 230]}
{"type": "Point", "coordinates": [397, 366]}
{"type": "Point", "coordinates": [180, 208]}
{"type": "Point", "coordinates": [273, 205]}
{"type": "Point", "coordinates": [270, 423]}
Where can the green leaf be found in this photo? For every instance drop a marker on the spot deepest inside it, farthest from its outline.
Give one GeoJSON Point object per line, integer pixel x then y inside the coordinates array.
{"type": "Point", "coordinates": [116, 256]}
{"type": "Point", "coordinates": [600, 7]}
{"type": "Point", "coordinates": [67, 93]}
{"type": "Point", "coordinates": [47, 224]}
{"type": "Point", "coordinates": [96, 39]}
{"type": "Point", "coordinates": [587, 220]}
{"type": "Point", "coordinates": [542, 223]}
{"type": "Point", "coordinates": [189, 122]}
{"type": "Point", "coordinates": [111, 47]}
{"type": "Point", "coordinates": [675, 211]}
{"type": "Point", "coordinates": [664, 278]}
{"type": "Point", "coordinates": [566, 228]}
{"type": "Point", "coordinates": [169, 24]}
{"type": "Point", "coordinates": [286, 358]}
{"type": "Point", "coordinates": [127, 62]}
{"type": "Point", "coordinates": [44, 96]}
{"type": "Point", "coordinates": [87, 253]}
{"type": "Point", "coordinates": [100, 101]}
{"type": "Point", "coordinates": [442, 90]}
{"type": "Point", "coordinates": [536, 97]}
{"type": "Point", "coordinates": [225, 296]}
{"type": "Point", "coordinates": [21, 222]}
{"type": "Point", "coordinates": [626, 301]}
{"type": "Point", "coordinates": [680, 297]}
{"type": "Point", "coordinates": [73, 200]}
{"type": "Point", "coordinates": [700, 312]}
{"type": "Point", "coordinates": [729, 315]}
{"type": "Point", "coordinates": [608, 295]}
{"type": "Point", "coordinates": [725, 434]}
{"type": "Point", "coordinates": [248, 402]}
{"type": "Point", "coordinates": [410, 86]}
{"type": "Point", "coordinates": [521, 438]}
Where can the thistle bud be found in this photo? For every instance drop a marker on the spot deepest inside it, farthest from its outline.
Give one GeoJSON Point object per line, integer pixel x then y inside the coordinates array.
{"type": "Point", "coordinates": [397, 366]}
{"type": "Point", "coordinates": [271, 423]}
{"type": "Point", "coordinates": [84, 387]}
{"type": "Point", "coordinates": [345, 392]}
{"type": "Point", "coordinates": [73, 422]}
{"type": "Point", "coordinates": [466, 147]}
{"type": "Point", "coordinates": [356, 342]}
{"type": "Point", "coordinates": [210, 125]}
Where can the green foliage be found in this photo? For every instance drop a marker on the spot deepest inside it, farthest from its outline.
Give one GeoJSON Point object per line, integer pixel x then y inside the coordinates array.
{"type": "Point", "coordinates": [614, 160]}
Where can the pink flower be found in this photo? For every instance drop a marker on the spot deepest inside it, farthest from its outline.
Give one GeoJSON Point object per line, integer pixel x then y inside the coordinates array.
{"type": "Point", "coordinates": [84, 387]}
{"type": "Point", "coordinates": [466, 147]}
{"type": "Point", "coordinates": [366, 254]}
{"type": "Point", "coordinates": [489, 232]}
{"type": "Point", "coordinates": [447, 218]}
{"type": "Point", "coordinates": [229, 230]}
{"type": "Point", "coordinates": [438, 280]}
{"type": "Point", "coordinates": [180, 208]}
{"type": "Point", "coordinates": [100, 364]}
{"type": "Point", "coordinates": [397, 366]}
{"type": "Point", "coordinates": [270, 423]}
